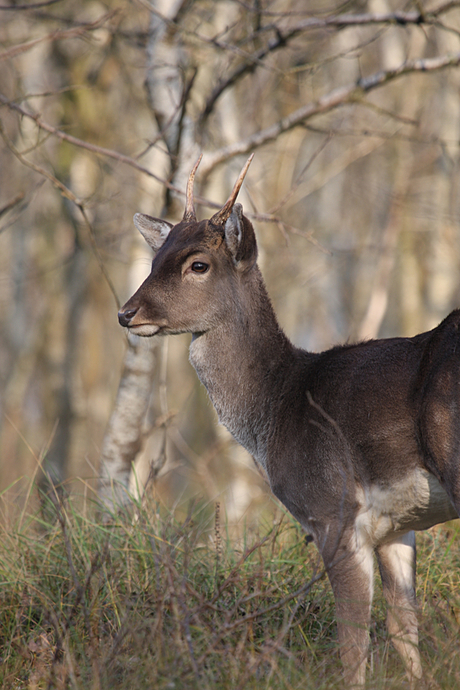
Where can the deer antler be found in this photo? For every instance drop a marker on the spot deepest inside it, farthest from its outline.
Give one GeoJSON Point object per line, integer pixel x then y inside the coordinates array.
{"type": "Point", "coordinates": [221, 216]}
{"type": "Point", "coordinates": [189, 213]}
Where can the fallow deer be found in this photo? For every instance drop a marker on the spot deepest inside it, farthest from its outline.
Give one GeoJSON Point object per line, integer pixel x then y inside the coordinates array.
{"type": "Point", "coordinates": [361, 443]}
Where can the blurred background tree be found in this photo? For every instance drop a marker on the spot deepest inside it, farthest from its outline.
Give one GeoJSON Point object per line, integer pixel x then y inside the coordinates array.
{"type": "Point", "coordinates": [353, 110]}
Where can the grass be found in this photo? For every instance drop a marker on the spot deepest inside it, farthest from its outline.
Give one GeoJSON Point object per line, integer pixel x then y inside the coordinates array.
{"type": "Point", "coordinates": [166, 602]}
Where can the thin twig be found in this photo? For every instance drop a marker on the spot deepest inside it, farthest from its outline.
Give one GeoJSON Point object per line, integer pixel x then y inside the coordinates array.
{"type": "Point", "coordinates": [11, 204]}
{"type": "Point", "coordinates": [98, 255]}
{"type": "Point", "coordinates": [352, 93]}
{"type": "Point", "coordinates": [59, 34]}
{"type": "Point", "coordinates": [68, 194]}
{"type": "Point", "coordinates": [99, 150]}
{"type": "Point", "coordinates": [33, 6]}
{"type": "Point", "coordinates": [283, 35]}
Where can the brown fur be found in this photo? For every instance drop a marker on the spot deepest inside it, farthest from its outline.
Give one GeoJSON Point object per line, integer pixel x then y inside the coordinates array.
{"type": "Point", "coordinates": [361, 443]}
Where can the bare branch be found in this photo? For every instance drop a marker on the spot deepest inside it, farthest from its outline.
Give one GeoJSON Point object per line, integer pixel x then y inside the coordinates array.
{"type": "Point", "coordinates": [99, 150]}
{"type": "Point", "coordinates": [68, 194]}
{"type": "Point", "coordinates": [97, 254]}
{"type": "Point", "coordinates": [195, 36]}
{"type": "Point", "coordinates": [59, 34]}
{"type": "Point", "coordinates": [283, 35]}
{"type": "Point", "coordinates": [65, 191]}
{"type": "Point", "coordinates": [335, 98]}
{"type": "Point", "coordinates": [11, 204]}
{"type": "Point", "coordinates": [445, 7]}
{"type": "Point", "coordinates": [301, 176]}
{"type": "Point", "coordinates": [399, 17]}
{"type": "Point", "coordinates": [35, 6]}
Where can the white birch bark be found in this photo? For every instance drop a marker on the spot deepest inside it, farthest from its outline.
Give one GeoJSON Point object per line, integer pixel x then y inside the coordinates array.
{"type": "Point", "coordinates": [124, 436]}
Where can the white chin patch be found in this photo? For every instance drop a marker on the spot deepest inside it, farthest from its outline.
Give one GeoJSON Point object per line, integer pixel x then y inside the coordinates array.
{"type": "Point", "coordinates": [146, 330]}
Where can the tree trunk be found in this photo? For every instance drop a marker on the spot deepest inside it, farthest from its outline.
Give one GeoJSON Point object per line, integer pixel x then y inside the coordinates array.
{"type": "Point", "coordinates": [166, 89]}
{"type": "Point", "coordinates": [123, 438]}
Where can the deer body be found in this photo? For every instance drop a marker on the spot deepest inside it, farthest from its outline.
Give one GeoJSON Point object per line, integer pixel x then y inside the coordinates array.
{"type": "Point", "coordinates": [361, 443]}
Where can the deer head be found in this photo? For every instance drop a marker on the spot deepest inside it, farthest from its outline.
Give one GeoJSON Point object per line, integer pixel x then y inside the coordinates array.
{"type": "Point", "coordinates": [196, 267]}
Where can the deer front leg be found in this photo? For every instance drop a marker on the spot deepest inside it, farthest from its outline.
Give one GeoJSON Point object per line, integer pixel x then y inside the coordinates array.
{"type": "Point", "coordinates": [350, 570]}
{"type": "Point", "coordinates": [397, 570]}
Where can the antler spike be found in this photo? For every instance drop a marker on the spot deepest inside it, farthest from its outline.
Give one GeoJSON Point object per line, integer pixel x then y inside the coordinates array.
{"type": "Point", "coordinates": [189, 213]}
{"type": "Point", "coordinates": [221, 216]}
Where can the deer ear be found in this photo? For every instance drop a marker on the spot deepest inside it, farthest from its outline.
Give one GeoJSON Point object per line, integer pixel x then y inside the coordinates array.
{"type": "Point", "coordinates": [153, 230]}
{"type": "Point", "coordinates": [240, 239]}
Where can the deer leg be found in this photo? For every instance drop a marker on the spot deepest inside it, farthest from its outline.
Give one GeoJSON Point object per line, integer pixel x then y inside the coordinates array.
{"type": "Point", "coordinates": [397, 570]}
{"type": "Point", "coordinates": [350, 570]}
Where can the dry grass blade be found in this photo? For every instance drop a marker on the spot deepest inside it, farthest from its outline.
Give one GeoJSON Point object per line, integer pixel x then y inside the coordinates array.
{"type": "Point", "coordinates": [136, 605]}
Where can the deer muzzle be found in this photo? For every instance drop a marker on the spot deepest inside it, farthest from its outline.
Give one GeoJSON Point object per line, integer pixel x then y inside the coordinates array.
{"type": "Point", "coordinates": [125, 316]}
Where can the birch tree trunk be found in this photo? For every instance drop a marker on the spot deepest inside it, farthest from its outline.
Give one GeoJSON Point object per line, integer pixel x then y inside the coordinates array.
{"type": "Point", "coordinates": [166, 72]}
{"type": "Point", "coordinates": [123, 438]}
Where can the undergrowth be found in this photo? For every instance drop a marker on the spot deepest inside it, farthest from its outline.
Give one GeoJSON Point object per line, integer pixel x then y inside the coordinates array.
{"type": "Point", "coordinates": [153, 601]}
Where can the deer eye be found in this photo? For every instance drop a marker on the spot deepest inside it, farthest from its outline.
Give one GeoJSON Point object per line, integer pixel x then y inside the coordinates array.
{"type": "Point", "coordinates": [199, 267]}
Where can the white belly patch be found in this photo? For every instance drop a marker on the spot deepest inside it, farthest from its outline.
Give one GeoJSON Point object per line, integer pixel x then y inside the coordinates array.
{"type": "Point", "coordinates": [415, 503]}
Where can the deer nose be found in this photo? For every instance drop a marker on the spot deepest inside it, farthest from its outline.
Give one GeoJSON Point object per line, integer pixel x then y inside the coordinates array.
{"type": "Point", "coordinates": [125, 316]}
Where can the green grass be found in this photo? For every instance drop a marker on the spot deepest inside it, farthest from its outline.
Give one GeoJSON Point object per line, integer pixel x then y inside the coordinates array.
{"type": "Point", "coordinates": [161, 602]}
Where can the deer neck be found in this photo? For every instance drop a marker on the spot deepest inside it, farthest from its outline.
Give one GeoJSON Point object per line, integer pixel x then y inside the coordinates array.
{"type": "Point", "coordinates": [241, 363]}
